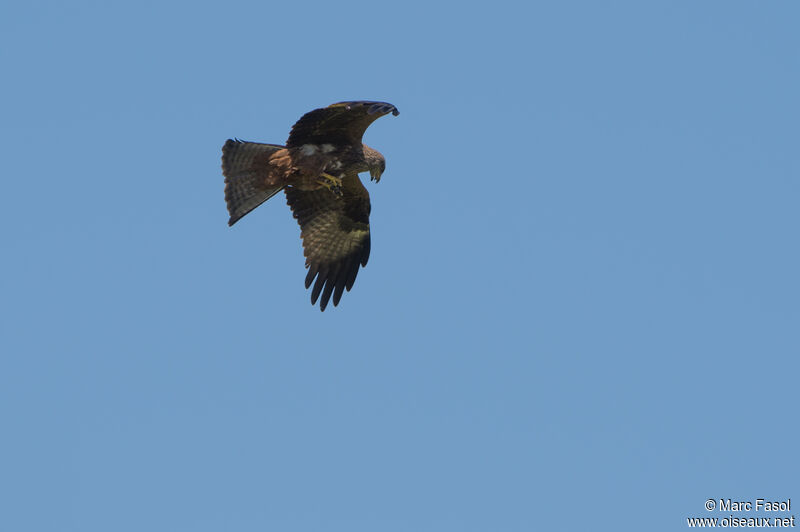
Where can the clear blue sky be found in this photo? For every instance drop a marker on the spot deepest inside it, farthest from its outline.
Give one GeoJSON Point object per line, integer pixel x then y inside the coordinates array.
{"type": "Point", "coordinates": [581, 312]}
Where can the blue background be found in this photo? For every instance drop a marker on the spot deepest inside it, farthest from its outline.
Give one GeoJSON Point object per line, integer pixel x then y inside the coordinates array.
{"type": "Point", "coordinates": [581, 309]}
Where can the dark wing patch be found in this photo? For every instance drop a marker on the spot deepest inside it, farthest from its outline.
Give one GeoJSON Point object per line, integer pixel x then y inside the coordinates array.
{"type": "Point", "coordinates": [335, 232]}
{"type": "Point", "coordinates": [342, 123]}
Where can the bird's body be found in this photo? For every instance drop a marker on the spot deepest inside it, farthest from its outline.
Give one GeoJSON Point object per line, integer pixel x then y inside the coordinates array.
{"type": "Point", "coordinates": [318, 169]}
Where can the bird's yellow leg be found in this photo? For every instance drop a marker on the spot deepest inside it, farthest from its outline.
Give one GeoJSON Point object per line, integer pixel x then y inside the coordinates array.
{"type": "Point", "coordinates": [332, 183]}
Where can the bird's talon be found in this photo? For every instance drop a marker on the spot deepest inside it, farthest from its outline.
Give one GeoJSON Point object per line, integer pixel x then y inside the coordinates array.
{"type": "Point", "coordinates": [332, 183]}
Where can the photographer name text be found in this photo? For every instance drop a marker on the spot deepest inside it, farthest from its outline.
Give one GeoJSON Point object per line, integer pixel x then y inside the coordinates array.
{"type": "Point", "coordinates": [759, 505]}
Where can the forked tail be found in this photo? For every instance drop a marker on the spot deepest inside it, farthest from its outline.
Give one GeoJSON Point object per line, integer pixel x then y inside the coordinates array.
{"type": "Point", "coordinates": [245, 165]}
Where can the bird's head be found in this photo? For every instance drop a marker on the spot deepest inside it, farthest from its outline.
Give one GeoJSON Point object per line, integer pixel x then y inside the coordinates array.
{"type": "Point", "coordinates": [375, 162]}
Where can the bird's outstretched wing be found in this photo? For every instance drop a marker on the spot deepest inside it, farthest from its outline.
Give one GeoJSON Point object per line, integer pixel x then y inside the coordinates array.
{"type": "Point", "coordinates": [339, 124]}
{"type": "Point", "coordinates": [335, 232]}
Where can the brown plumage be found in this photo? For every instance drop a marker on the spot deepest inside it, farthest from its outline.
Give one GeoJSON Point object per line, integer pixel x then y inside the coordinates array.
{"type": "Point", "coordinates": [318, 169]}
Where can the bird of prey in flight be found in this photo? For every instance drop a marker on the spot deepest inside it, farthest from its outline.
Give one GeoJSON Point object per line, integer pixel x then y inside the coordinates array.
{"type": "Point", "coordinates": [318, 170]}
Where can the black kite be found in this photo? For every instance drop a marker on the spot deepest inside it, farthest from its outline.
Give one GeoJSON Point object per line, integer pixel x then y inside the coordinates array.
{"type": "Point", "coordinates": [318, 169]}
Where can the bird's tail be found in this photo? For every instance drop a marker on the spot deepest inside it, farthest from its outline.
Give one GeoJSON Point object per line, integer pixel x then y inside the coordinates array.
{"type": "Point", "coordinates": [244, 165]}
